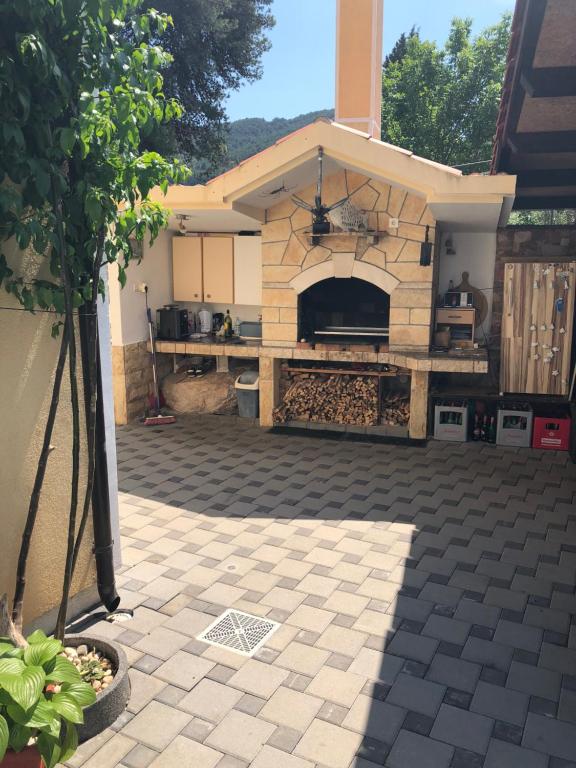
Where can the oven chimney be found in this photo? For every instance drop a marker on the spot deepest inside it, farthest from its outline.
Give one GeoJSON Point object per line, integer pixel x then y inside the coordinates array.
{"type": "Point", "coordinates": [359, 64]}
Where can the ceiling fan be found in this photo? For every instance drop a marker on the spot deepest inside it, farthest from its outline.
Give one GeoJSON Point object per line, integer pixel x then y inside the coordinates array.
{"type": "Point", "coordinates": [319, 211]}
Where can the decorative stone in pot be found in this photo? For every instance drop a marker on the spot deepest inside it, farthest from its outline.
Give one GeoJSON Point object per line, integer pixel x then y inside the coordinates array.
{"type": "Point", "coordinates": [110, 702]}
{"type": "Point", "coordinates": [28, 758]}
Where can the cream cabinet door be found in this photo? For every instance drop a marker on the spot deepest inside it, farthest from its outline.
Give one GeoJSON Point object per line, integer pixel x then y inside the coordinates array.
{"type": "Point", "coordinates": [218, 268]}
{"type": "Point", "coordinates": [187, 268]}
{"type": "Point", "coordinates": [248, 270]}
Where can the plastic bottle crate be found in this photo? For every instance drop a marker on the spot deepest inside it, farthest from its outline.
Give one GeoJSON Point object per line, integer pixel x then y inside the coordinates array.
{"type": "Point", "coordinates": [451, 422]}
{"type": "Point", "coordinates": [514, 425]}
{"type": "Point", "coordinates": [551, 433]}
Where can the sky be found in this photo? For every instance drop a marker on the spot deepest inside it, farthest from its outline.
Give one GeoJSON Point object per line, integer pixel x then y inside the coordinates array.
{"type": "Point", "coordinates": [299, 69]}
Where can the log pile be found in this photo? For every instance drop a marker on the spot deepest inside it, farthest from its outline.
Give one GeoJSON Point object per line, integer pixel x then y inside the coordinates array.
{"type": "Point", "coordinates": [395, 410]}
{"type": "Point", "coordinates": [330, 399]}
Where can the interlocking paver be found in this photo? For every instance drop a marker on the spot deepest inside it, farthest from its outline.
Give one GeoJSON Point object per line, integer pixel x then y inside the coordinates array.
{"type": "Point", "coordinates": [186, 753]}
{"type": "Point", "coordinates": [417, 695]}
{"type": "Point", "coordinates": [240, 735]}
{"type": "Point", "coordinates": [413, 572]}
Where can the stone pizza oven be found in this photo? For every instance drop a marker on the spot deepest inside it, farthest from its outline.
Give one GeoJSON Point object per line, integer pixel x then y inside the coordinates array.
{"type": "Point", "coordinates": [293, 265]}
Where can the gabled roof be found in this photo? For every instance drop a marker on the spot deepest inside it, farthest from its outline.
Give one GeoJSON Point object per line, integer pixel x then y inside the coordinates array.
{"type": "Point", "coordinates": [291, 164]}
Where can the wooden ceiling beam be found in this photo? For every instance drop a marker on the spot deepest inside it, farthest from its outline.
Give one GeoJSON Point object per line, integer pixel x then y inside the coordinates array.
{"type": "Point", "coordinates": [546, 82]}
{"type": "Point", "coordinates": [544, 203]}
{"type": "Point", "coordinates": [559, 177]}
{"type": "Point", "coordinates": [543, 141]}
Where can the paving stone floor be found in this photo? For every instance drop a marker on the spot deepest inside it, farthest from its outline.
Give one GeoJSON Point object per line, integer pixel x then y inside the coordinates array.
{"type": "Point", "coordinates": [426, 598]}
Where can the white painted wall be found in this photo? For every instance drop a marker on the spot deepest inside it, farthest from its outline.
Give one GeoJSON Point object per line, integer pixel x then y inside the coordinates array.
{"type": "Point", "coordinates": [475, 254]}
{"type": "Point", "coordinates": [127, 306]}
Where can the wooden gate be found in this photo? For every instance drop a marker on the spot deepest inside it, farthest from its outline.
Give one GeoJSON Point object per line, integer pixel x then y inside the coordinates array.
{"type": "Point", "coordinates": [537, 322]}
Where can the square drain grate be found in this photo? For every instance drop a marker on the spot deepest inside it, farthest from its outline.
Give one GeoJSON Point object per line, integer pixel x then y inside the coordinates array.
{"type": "Point", "coordinates": [238, 631]}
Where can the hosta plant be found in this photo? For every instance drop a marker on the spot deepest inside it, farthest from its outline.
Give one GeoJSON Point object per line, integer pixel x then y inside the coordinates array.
{"type": "Point", "coordinates": [41, 699]}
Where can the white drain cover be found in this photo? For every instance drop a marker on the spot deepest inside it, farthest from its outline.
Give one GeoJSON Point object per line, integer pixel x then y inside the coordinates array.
{"type": "Point", "coordinates": [238, 631]}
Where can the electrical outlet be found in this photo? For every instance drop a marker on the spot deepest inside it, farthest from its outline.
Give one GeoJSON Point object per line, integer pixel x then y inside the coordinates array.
{"type": "Point", "coordinates": [393, 223]}
{"type": "Point", "coordinates": [140, 287]}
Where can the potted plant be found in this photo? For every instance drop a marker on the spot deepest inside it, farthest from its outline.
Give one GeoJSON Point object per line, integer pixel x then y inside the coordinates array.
{"type": "Point", "coordinates": [42, 697]}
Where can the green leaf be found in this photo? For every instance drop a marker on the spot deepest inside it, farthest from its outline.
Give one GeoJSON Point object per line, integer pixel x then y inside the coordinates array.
{"type": "Point", "coordinates": [49, 749]}
{"type": "Point", "coordinates": [26, 687]}
{"type": "Point", "coordinates": [4, 737]}
{"type": "Point", "coordinates": [83, 693]}
{"type": "Point", "coordinates": [69, 744]}
{"type": "Point", "coordinates": [62, 671]}
{"type": "Point", "coordinates": [11, 666]}
{"type": "Point", "coordinates": [67, 706]}
{"type": "Point", "coordinates": [40, 653]}
{"type": "Point", "coordinates": [19, 736]}
{"type": "Point", "coordinates": [67, 140]}
{"type": "Point", "coordinates": [5, 648]}
{"type": "Point", "coordinates": [43, 716]}
{"type": "Point", "coordinates": [36, 637]}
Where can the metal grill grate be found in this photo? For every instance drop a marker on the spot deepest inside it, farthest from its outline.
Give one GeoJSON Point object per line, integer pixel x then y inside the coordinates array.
{"type": "Point", "coordinates": [238, 631]}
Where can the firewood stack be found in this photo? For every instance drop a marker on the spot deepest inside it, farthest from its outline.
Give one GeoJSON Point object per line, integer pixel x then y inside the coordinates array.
{"type": "Point", "coordinates": [326, 398]}
{"type": "Point", "coordinates": [395, 410]}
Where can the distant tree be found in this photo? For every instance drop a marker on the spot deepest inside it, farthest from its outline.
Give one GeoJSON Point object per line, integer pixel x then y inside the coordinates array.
{"type": "Point", "coordinates": [546, 218]}
{"type": "Point", "coordinates": [442, 103]}
{"type": "Point", "coordinates": [215, 45]}
{"type": "Point", "coordinates": [400, 47]}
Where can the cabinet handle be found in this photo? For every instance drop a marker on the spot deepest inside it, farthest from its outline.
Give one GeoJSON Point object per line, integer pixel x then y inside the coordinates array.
{"type": "Point", "coordinates": [455, 317]}
{"type": "Point", "coordinates": [195, 295]}
{"type": "Point", "coordinates": [207, 295]}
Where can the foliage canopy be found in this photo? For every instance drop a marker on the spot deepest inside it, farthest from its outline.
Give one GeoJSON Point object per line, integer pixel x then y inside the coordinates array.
{"type": "Point", "coordinates": [442, 103]}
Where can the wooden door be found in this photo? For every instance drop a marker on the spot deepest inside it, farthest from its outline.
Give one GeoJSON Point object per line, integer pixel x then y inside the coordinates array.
{"type": "Point", "coordinates": [218, 266]}
{"type": "Point", "coordinates": [187, 268]}
{"type": "Point", "coordinates": [248, 270]}
{"type": "Point", "coordinates": [537, 322]}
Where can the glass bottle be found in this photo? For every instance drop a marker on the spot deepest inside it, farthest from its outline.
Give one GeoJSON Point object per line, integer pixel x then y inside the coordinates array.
{"type": "Point", "coordinates": [227, 324]}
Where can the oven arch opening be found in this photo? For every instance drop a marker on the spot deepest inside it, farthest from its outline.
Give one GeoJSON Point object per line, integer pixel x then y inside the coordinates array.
{"type": "Point", "coordinates": [343, 309]}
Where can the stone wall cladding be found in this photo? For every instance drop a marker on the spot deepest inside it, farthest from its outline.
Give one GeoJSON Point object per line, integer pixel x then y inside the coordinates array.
{"type": "Point", "coordinates": [133, 380]}
{"type": "Point", "coordinates": [287, 253]}
{"type": "Point", "coordinates": [521, 244]}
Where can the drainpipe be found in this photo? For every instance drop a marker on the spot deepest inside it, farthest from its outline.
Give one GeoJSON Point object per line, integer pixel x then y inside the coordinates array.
{"type": "Point", "coordinates": [102, 526]}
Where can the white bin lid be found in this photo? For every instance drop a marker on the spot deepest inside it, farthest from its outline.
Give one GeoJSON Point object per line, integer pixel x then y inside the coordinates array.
{"type": "Point", "coordinates": [247, 380]}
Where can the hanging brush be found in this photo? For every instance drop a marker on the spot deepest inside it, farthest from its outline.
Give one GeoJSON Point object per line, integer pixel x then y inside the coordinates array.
{"type": "Point", "coordinates": [156, 417]}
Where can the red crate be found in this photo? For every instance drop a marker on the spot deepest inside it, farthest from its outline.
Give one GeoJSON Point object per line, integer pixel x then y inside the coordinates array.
{"type": "Point", "coordinates": [551, 433]}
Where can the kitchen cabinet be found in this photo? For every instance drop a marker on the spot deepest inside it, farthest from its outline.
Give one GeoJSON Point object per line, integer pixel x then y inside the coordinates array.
{"type": "Point", "coordinates": [537, 322]}
{"type": "Point", "coordinates": [248, 270]}
{"type": "Point", "coordinates": [203, 269]}
{"type": "Point", "coordinates": [218, 266]}
{"type": "Point", "coordinates": [187, 268]}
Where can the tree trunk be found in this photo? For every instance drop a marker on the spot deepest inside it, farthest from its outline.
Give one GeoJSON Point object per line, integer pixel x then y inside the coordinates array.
{"type": "Point", "coordinates": [7, 627]}
{"type": "Point", "coordinates": [75, 406]}
{"type": "Point", "coordinates": [18, 601]}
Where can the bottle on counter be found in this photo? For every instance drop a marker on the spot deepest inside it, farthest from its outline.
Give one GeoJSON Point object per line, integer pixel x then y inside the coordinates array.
{"type": "Point", "coordinates": [237, 326]}
{"type": "Point", "coordinates": [227, 324]}
{"type": "Point", "coordinates": [476, 431]}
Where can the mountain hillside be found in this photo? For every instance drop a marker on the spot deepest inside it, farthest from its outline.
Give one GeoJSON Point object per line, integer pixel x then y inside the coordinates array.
{"type": "Point", "coordinates": [253, 134]}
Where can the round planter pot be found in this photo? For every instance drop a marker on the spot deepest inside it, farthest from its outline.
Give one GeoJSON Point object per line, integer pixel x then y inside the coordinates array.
{"type": "Point", "coordinates": [112, 702]}
{"type": "Point", "coordinates": [28, 758]}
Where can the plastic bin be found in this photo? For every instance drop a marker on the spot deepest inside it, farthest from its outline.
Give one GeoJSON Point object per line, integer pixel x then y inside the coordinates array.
{"type": "Point", "coordinates": [247, 387]}
{"type": "Point", "coordinates": [451, 422]}
{"type": "Point", "coordinates": [551, 433]}
{"type": "Point", "coordinates": [514, 425]}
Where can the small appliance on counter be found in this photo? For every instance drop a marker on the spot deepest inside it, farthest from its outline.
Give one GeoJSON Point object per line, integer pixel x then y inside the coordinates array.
{"type": "Point", "coordinates": [250, 329]}
{"type": "Point", "coordinates": [217, 321]}
{"type": "Point", "coordinates": [205, 318]}
{"type": "Point", "coordinates": [462, 299]}
{"type": "Point", "coordinates": [172, 323]}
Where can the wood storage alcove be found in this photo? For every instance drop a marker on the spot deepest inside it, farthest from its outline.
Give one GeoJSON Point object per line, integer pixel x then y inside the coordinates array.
{"type": "Point", "coordinates": [375, 398]}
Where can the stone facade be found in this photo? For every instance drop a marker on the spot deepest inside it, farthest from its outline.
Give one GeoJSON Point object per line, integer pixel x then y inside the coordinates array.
{"type": "Point", "coordinates": [522, 244]}
{"type": "Point", "coordinates": [133, 380]}
{"type": "Point", "coordinates": [291, 263]}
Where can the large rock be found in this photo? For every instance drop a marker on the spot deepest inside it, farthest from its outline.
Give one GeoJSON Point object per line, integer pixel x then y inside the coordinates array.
{"type": "Point", "coordinates": [211, 393]}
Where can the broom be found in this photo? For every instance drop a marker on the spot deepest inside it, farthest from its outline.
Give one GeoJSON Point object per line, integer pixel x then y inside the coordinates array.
{"type": "Point", "coordinates": [156, 417]}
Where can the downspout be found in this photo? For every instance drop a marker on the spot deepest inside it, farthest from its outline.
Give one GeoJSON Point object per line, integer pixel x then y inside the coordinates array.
{"type": "Point", "coordinates": [101, 521]}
